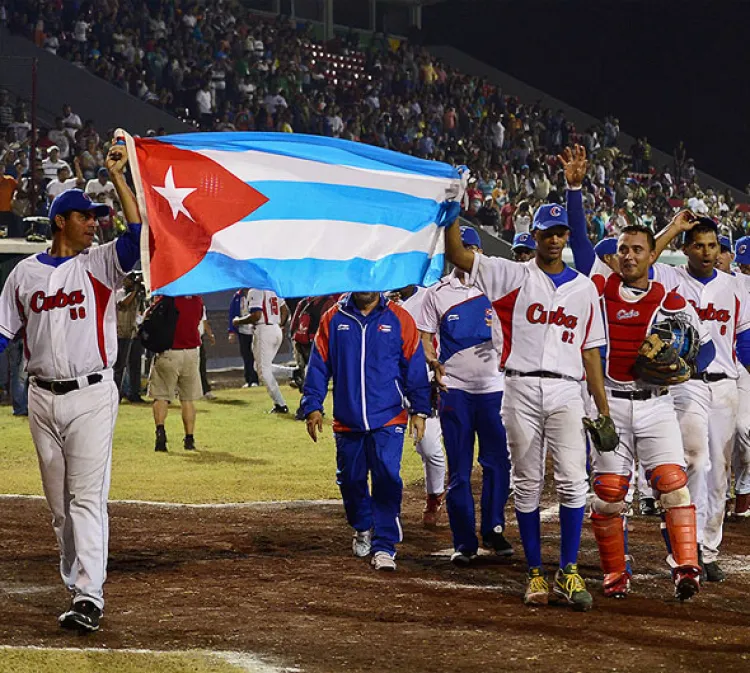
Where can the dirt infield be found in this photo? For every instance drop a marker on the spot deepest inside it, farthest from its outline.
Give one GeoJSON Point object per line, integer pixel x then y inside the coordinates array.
{"type": "Point", "coordinates": [281, 583]}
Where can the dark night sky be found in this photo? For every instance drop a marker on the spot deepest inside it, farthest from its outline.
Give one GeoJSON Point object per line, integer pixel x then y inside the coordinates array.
{"type": "Point", "coordinates": [668, 69]}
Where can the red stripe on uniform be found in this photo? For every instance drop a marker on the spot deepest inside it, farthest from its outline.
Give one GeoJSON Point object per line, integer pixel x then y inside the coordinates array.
{"type": "Point", "coordinates": [736, 322]}
{"type": "Point", "coordinates": [409, 333]}
{"type": "Point", "coordinates": [504, 310]}
{"type": "Point", "coordinates": [263, 306]}
{"type": "Point", "coordinates": [323, 334]}
{"type": "Point", "coordinates": [101, 298]}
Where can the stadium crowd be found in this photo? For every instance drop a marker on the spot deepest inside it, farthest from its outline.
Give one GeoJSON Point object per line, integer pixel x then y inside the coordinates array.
{"type": "Point", "coordinates": [223, 68]}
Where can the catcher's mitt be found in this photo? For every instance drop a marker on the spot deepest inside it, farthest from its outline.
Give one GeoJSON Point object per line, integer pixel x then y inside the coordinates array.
{"type": "Point", "coordinates": [603, 433]}
{"type": "Point", "coordinates": [660, 364]}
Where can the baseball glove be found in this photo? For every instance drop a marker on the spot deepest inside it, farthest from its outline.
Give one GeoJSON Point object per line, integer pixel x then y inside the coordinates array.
{"type": "Point", "coordinates": [603, 433]}
{"type": "Point", "coordinates": [659, 364]}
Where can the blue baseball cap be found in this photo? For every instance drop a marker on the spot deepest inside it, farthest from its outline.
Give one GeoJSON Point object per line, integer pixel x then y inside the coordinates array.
{"type": "Point", "coordinates": [742, 250]}
{"type": "Point", "coordinates": [470, 236]}
{"type": "Point", "coordinates": [607, 246]}
{"type": "Point", "coordinates": [75, 199]}
{"type": "Point", "coordinates": [523, 241]}
{"type": "Point", "coordinates": [550, 215]}
{"type": "Point", "coordinates": [725, 242]}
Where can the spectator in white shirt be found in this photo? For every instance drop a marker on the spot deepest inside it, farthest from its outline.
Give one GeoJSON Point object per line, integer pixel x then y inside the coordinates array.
{"type": "Point", "coordinates": [101, 189]}
{"type": "Point", "coordinates": [64, 182]}
{"type": "Point", "coordinates": [53, 163]}
{"type": "Point", "coordinates": [272, 102]}
{"type": "Point", "coordinates": [71, 122]}
{"type": "Point", "coordinates": [59, 136]}
{"type": "Point", "coordinates": [204, 104]}
{"type": "Point", "coordinates": [80, 31]}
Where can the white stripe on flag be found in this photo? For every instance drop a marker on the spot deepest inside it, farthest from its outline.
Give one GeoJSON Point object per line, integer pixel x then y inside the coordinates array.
{"type": "Point", "coordinates": [256, 166]}
{"type": "Point", "coordinates": [322, 239]}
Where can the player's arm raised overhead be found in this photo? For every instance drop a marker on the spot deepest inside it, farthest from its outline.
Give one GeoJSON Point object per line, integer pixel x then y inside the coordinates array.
{"type": "Point", "coordinates": [455, 250]}
{"type": "Point", "coordinates": [575, 164]}
{"type": "Point", "coordinates": [682, 222]}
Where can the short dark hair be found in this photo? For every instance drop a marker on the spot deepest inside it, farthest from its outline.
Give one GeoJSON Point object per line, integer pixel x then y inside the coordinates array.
{"type": "Point", "coordinates": [639, 229]}
{"type": "Point", "coordinates": [705, 226]}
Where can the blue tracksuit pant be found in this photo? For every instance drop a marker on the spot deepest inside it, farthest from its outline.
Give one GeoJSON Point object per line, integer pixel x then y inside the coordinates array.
{"type": "Point", "coordinates": [377, 452]}
{"type": "Point", "coordinates": [462, 415]}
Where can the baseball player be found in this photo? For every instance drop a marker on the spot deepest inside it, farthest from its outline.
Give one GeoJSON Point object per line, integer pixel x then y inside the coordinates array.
{"type": "Point", "coordinates": [64, 299]}
{"type": "Point", "coordinates": [460, 316]}
{"type": "Point", "coordinates": [642, 409]}
{"type": "Point", "coordinates": [726, 254]}
{"type": "Point", "coordinates": [370, 347]}
{"type": "Point", "coordinates": [550, 330]}
{"type": "Point", "coordinates": [244, 336]}
{"type": "Point", "coordinates": [741, 457]}
{"type": "Point", "coordinates": [430, 447]}
{"type": "Point", "coordinates": [523, 247]}
{"type": "Point", "coordinates": [269, 314]}
{"type": "Point", "coordinates": [706, 405]}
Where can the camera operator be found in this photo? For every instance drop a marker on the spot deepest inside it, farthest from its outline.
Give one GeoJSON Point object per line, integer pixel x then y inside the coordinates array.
{"type": "Point", "coordinates": [130, 307]}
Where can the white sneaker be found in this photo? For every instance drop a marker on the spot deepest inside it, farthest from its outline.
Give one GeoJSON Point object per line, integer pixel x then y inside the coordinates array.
{"type": "Point", "coordinates": [209, 396]}
{"type": "Point", "coordinates": [362, 543]}
{"type": "Point", "coordinates": [383, 561]}
{"type": "Point", "coordinates": [245, 385]}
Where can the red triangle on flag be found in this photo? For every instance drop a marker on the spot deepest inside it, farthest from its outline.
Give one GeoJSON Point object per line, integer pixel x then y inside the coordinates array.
{"type": "Point", "coordinates": [189, 198]}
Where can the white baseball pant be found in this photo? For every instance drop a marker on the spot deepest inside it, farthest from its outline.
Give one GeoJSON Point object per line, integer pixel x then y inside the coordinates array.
{"type": "Point", "coordinates": [741, 457]}
{"type": "Point", "coordinates": [73, 438]}
{"type": "Point", "coordinates": [266, 344]}
{"type": "Point", "coordinates": [539, 413]}
{"type": "Point", "coordinates": [648, 430]}
{"type": "Point", "coordinates": [707, 413]}
{"type": "Point", "coordinates": [433, 457]}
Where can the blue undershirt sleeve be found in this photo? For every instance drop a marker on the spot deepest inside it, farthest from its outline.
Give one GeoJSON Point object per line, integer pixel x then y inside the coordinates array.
{"type": "Point", "coordinates": [583, 252]}
{"type": "Point", "coordinates": [706, 354]}
{"type": "Point", "coordinates": [128, 247]}
{"type": "Point", "coordinates": [743, 347]}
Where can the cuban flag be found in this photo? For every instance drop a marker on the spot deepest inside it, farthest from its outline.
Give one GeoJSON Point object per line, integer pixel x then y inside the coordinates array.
{"type": "Point", "coordinates": [300, 215]}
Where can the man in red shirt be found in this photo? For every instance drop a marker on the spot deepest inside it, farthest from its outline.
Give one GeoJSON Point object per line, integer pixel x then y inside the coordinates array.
{"type": "Point", "coordinates": [178, 369]}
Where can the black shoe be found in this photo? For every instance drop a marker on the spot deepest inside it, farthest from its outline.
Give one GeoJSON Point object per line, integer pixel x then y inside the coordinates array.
{"type": "Point", "coordinates": [299, 415]}
{"type": "Point", "coordinates": [298, 379]}
{"type": "Point", "coordinates": [161, 441]}
{"type": "Point", "coordinates": [497, 542]}
{"type": "Point", "coordinates": [648, 507]}
{"type": "Point", "coordinates": [188, 443]}
{"type": "Point", "coordinates": [462, 559]}
{"type": "Point", "coordinates": [279, 409]}
{"type": "Point", "coordinates": [704, 576]}
{"type": "Point", "coordinates": [83, 616]}
{"type": "Point", "coordinates": [713, 572]}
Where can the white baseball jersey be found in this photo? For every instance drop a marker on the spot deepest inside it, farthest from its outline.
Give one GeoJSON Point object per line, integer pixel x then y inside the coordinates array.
{"type": "Point", "coordinates": [68, 311]}
{"type": "Point", "coordinates": [244, 311]}
{"type": "Point", "coordinates": [721, 304]}
{"type": "Point", "coordinates": [461, 317]}
{"type": "Point", "coordinates": [268, 303]}
{"type": "Point", "coordinates": [543, 327]}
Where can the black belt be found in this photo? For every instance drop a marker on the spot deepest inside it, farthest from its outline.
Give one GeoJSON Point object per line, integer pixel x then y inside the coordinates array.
{"type": "Point", "coordinates": [709, 378]}
{"type": "Point", "coordinates": [638, 395]}
{"type": "Point", "coordinates": [538, 374]}
{"type": "Point", "coordinates": [65, 387]}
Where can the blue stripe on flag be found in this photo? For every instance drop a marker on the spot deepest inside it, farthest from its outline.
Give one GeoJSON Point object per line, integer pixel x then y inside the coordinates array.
{"type": "Point", "coordinates": [314, 148]}
{"type": "Point", "coordinates": [316, 201]}
{"type": "Point", "coordinates": [301, 278]}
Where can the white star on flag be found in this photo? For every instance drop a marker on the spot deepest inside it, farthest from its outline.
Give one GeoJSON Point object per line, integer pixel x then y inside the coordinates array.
{"type": "Point", "coordinates": [175, 196]}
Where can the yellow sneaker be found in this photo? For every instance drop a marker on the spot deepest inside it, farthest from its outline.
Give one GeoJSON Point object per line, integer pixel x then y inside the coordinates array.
{"type": "Point", "coordinates": [537, 588]}
{"type": "Point", "coordinates": [570, 587]}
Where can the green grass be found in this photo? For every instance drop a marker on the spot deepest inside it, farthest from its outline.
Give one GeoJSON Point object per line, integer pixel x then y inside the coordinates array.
{"type": "Point", "coordinates": [50, 661]}
{"type": "Point", "coordinates": [244, 455]}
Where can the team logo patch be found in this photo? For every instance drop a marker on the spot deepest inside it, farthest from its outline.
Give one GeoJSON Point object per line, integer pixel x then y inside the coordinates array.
{"type": "Point", "coordinates": [555, 211]}
{"type": "Point", "coordinates": [624, 314]}
{"type": "Point", "coordinates": [342, 328]}
{"type": "Point", "coordinates": [742, 249]}
{"type": "Point", "coordinates": [384, 328]}
{"type": "Point", "coordinates": [399, 430]}
{"type": "Point", "coordinates": [453, 316]}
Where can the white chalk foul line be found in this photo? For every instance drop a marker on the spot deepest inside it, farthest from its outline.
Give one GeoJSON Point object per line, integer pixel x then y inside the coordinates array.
{"type": "Point", "coordinates": [260, 504]}
{"type": "Point", "coordinates": [245, 661]}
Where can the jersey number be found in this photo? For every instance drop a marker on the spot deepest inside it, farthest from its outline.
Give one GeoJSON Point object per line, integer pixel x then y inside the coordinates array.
{"type": "Point", "coordinates": [76, 313]}
{"type": "Point", "coordinates": [274, 305]}
{"type": "Point", "coordinates": [568, 337]}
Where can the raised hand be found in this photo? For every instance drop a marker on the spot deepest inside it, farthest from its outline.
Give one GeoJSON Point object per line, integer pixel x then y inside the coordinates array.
{"type": "Point", "coordinates": [575, 164]}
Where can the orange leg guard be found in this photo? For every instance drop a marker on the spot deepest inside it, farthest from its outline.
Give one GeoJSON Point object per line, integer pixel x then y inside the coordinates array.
{"type": "Point", "coordinates": [610, 538]}
{"type": "Point", "coordinates": [681, 528]}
